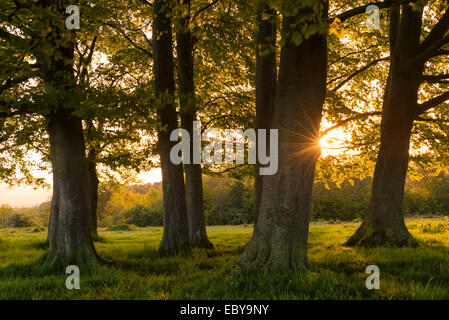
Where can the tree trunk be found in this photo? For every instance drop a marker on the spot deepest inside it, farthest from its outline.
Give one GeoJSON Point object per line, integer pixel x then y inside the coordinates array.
{"type": "Point", "coordinates": [68, 235]}
{"type": "Point", "coordinates": [266, 78]}
{"type": "Point", "coordinates": [280, 236]}
{"type": "Point", "coordinates": [384, 222]}
{"type": "Point", "coordinates": [176, 229]}
{"type": "Point", "coordinates": [194, 179]}
{"type": "Point", "coordinates": [93, 183]}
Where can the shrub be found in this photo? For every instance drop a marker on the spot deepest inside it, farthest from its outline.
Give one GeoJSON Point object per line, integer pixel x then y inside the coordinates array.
{"type": "Point", "coordinates": [144, 217]}
{"type": "Point", "coordinates": [120, 227]}
{"type": "Point", "coordinates": [16, 220]}
{"type": "Point", "coordinates": [242, 216]}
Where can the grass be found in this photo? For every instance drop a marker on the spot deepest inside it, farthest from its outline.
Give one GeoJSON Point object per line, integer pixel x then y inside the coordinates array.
{"type": "Point", "coordinates": [339, 272]}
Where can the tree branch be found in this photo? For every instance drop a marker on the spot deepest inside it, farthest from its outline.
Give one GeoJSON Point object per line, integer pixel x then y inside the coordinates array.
{"type": "Point", "coordinates": [23, 110]}
{"type": "Point", "coordinates": [440, 53]}
{"type": "Point", "coordinates": [147, 2]}
{"type": "Point", "coordinates": [131, 41]}
{"type": "Point", "coordinates": [355, 73]}
{"type": "Point", "coordinates": [350, 119]}
{"type": "Point", "coordinates": [11, 37]}
{"type": "Point", "coordinates": [432, 103]}
{"type": "Point", "coordinates": [353, 53]}
{"type": "Point", "coordinates": [435, 78]}
{"type": "Point", "coordinates": [428, 53]}
{"type": "Point", "coordinates": [204, 9]}
{"type": "Point", "coordinates": [12, 82]}
{"type": "Point", "coordinates": [87, 61]}
{"type": "Point", "coordinates": [362, 9]}
{"type": "Point", "coordinates": [437, 32]}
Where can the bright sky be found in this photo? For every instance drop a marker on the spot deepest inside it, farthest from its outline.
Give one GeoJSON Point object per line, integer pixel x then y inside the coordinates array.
{"type": "Point", "coordinates": [26, 196]}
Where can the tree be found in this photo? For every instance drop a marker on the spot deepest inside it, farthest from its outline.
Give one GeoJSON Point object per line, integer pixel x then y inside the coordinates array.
{"type": "Point", "coordinates": [44, 38]}
{"type": "Point", "coordinates": [384, 222]}
{"type": "Point", "coordinates": [186, 87]}
{"type": "Point", "coordinates": [280, 236]}
{"type": "Point", "coordinates": [176, 229]}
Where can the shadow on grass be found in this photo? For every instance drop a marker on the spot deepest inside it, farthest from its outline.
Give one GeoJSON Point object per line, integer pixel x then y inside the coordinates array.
{"type": "Point", "coordinates": [40, 245]}
{"type": "Point", "coordinates": [148, 261]}
{"type": "Point", "coordinates": [288, 285]}
{"type": "Point", "coordinates": [36, 268]}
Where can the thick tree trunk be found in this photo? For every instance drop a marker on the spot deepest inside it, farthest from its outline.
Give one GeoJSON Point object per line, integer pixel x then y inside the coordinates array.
{"type": "Point", "coordinates": [176, 229]}
{"type": "Point", "coordinates": [68, 235]}
{"type": "Point", "coordinates": [194, 179]}
{"type": "Point", "coordinates": [266, 78]}
{"type": "Point", "coordinates": [93, 183]}
{"type": "Point", "coordinates": [280, 236]}
{"type": "Point", "coordinates": [384, 222]}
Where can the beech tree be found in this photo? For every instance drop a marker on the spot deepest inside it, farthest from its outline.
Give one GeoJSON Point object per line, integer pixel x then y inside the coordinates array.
{"type": "Point", "coordinates": [193, 172]}
{"type": "Point", "coordinates": [176, 229]}
{"type": "Point", "coordinates": [36, 31]}
{"type": "Point", "coordinates": [280, 236]}
{"type": "Point", "coordinates": [384, 222]}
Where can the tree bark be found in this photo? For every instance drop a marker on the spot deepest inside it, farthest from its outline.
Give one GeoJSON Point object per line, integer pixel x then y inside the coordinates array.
{"type": "Point", "coordinates": [176, 229]}
{"type": "Point", "coordinates": [193, 172]}
{"type": "Point", "coordinates": [384, 222]}
{"type": "Point", "coordinates": [93, 183]}
{"type": "Point", "coordinates": [266, 78]}
{"type": "Point", "coordinates": [68, 235]}
{"type": "Point", "coordinates": [280, 237]}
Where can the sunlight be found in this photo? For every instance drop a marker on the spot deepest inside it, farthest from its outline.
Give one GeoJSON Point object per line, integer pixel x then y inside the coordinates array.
{"type": "Point", "coordinates": [328, 147]}
{"type": "Point", "coordinates": [152, 176]}
{"type": "Point", "coordinates": [334, 142]}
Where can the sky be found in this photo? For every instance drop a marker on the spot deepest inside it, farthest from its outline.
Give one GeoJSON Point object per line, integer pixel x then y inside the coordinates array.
{"type": "Point", "coordinates": [27, 196]}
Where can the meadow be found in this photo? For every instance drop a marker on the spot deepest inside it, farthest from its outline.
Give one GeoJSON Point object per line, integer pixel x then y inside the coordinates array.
{"type": "Point", "coordinates": [137, 272]}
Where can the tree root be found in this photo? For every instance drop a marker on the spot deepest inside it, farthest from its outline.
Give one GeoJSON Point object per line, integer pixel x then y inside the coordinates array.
{"type": "Point", "coordinates": [368, 237]}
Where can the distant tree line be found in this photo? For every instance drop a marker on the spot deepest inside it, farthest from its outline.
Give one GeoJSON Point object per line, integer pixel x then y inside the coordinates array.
{"type": "Point", "coordinates": [229, 201]}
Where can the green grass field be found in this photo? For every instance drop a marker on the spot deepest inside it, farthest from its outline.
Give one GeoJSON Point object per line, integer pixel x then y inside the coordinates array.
{"type": "Point", "coordinates": [138, 272]}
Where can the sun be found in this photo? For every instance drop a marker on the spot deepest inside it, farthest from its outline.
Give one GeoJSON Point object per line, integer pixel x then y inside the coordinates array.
{"type": "Point", "coordinates": [334, 143]}
{"type": "Point", "coordinates": [324, 143]}
{"type": "Point", "coordinates": [327, 147]}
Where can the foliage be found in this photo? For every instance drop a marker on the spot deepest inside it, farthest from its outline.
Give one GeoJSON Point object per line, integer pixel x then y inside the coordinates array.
{"type": "Point", "coordinates": [9, 218]}
{"type": "Point", "coordinates": [344, 203]}
{"type": "Point", "coordinates": [229, 201]}
{"type": "Point", "coordinates": [144, 217]}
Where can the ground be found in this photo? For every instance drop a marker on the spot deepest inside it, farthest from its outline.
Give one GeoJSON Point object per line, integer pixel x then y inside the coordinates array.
{"type": "Point", "coordinates": [138, 273]}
